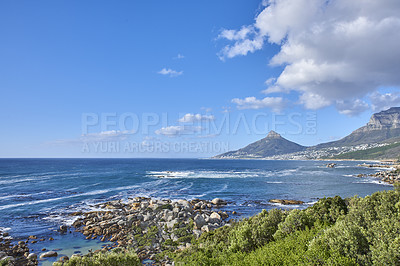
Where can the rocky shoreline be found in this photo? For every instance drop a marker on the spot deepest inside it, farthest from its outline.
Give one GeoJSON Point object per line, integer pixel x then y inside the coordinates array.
{"type": "Point", "coordinates": [17, 254]}
{"type": "Point", "coordinates": [388, 176]}
{"type": "Point", "coordinates": [150, 226]}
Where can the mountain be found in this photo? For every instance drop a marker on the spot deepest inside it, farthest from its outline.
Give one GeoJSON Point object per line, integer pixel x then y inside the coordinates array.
{"type": "Point", "coordinates": [272, 144]}
{"type": "Point", "coordinates": [382, 127]}
{"type": "Point", "coordinates": [378, 139]}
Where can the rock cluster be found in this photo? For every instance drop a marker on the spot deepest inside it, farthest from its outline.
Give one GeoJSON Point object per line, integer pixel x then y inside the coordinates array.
{"type": "Point", "coordinates": [331, 165]}
{"type": "Point", "coordinates": [390, 177]}
{"type": "Point", "coordinates": [376, 165]}
{"type": "Point", "coordinates": [150, 226]}
{"type": "Point", "coordinates": [15, 254]}
{"type": "Point", "coordinates": [286, 202]}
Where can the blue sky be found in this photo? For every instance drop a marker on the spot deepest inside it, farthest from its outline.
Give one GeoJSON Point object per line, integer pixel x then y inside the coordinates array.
{"type": "Point", "coordinates": [62, 60]}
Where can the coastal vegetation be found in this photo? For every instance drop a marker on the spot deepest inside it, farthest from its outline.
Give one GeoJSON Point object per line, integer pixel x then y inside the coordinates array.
{"type": "Point", "coordinates": [334, 231]}
{"type": "Point", "coordinates": [116, 257]}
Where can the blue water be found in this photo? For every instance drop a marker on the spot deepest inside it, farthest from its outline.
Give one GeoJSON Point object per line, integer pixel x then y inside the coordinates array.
{"type": "Point", "coordinates": [36, 195]}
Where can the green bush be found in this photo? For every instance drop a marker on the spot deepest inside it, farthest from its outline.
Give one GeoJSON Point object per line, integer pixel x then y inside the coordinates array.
{"type": "Point", "coordinates": [335, 231]}
{"type": "Point", "coordinates": [255, 231]}
{"type": "Point", "coordinates": [111, 258]}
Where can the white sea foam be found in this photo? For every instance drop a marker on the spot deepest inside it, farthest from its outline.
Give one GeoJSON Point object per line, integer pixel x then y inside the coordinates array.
{"type": "Point", "coordinates": [90, 193]}
{"type": "Point", "coordinates": [372, 181]}
{"type": "Point", "coordinates": [285, 206]}
{"type": "Point", "coordinates": [213, 174]}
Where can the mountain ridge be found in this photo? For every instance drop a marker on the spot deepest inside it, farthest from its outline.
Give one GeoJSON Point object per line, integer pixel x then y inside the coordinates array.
{"type": "Point", "coordinates": [382, 129]}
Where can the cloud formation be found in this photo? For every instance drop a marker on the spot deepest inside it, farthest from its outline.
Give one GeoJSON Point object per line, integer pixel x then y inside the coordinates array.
{"type": "Point", "coordinates": [331, 51]}
{"type": "Point", "coordinates": [111, 135]}
{"type": "Point", "coordinates": [381, 102]}
{"type": "Point", "coordinates": [170, 72]}
{"type": "Point", "coordinates": [179, 56]}
{"type": "Point", "coordinates": [191, 118]}
{"type": "Point", "coordinates": [103, 136]}
{"type": "Point", "coordinates": [352, 108]}
{"type": "Point", "coordinates": [175, 131]}
{"type": "Point", "coordinates": [275, 103]}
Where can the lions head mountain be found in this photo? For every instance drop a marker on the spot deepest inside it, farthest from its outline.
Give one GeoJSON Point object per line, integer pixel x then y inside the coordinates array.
{"type": "Point", "coordinates": [378, 139]}
{"type": "Point", "coordinates": [272, 144]}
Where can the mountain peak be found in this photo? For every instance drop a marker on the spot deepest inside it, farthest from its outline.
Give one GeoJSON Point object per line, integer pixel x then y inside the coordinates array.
{"type": "Point", "coordinates": [273, 135]}
{"type": "Point", "coordinates": [385, 119]}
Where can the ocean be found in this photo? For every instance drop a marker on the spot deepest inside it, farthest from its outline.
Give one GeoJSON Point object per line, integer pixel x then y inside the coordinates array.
{"type": "Point", "coordinates": [37, 195]}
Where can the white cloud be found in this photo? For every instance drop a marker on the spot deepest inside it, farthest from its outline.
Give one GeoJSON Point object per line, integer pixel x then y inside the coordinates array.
{"type": "Point", "coordinates": [352, 108]}
{"type": "Point", "coordinates": [331, 51]}
{"type": "Point", "coordinates": [103, 136]}
{"type": "Point", "coordinates": [107, 135]}
{"type": "Point", "coordinates": [174, 131]}
{"type": "Point", "coordinates": [206, 109]}
{"type": "Point", "coordinates": [275, 103]}
{"type": "Point", "coordinates": [179, 56]}
{"type": "Point", "coordinates": [170, 72]}
{"type": "Point", "coordinates": [191, 118]}
{"type": "Point", "coordinates": [384, 101]}
{"type": "Point", "coordinates": [234, 35]}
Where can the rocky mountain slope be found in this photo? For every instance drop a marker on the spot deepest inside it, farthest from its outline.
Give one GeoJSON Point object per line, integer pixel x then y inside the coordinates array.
{"type": "Point", "coordinates": [272, 144]}
{"type": "Point", "coordinates": [379, 136]}
{"type": "Point", "coordinates": [382, 127]}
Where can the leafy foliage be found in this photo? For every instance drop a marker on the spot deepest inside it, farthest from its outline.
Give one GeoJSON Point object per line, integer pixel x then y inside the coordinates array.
{"type": "Point", "coordinates": [111, 258]}
{"type": "Point", "coordinates": [335, 231]}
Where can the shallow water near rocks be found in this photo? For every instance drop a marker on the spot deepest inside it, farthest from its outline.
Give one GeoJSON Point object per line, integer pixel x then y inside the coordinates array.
{"type": "Point", "coordinates": [37, 195]}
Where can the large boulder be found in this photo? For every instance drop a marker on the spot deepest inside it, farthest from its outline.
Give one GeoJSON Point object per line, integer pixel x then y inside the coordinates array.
{"type": "Point", "coordinates": [286, 202]}
{"type": "Point", "coordinates": [218, 201]}
{"type": "Point", "coordinates": [215, 218]}
{"type": "Point", "coordinates": [199, 221]}
{"type": "Point", "coordinates": [49, 254]}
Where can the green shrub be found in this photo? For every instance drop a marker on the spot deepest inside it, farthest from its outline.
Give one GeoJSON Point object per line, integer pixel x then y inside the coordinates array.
{"type": "Point", "coordinates": [335, 231]}
{"type": "Point", "coordinates": [296, 220]}
{"type": "Point", "coordinates": [328, 210]}
{"type": "Point", "coordinates": [255, 231]}
{"type": "Point", "coordinates": [110, 258]}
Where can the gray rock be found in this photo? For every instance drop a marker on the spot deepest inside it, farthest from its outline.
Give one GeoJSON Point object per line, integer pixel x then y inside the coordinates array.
{"type": "Point", "coordinates": [8, 258]}
{"type": "Point", "coordinates": [218, 201]}
{"type": "Point", "coordinates": [205, 228]}
{"type": "Point", "coordinates": [172, 223]}
{"type": "Point", "coordinates": [184, 203]}
{"type": "Point", "coordinates": [63, 259]}
{"type": "Point", "coordinates": [32, 256]}
{"type": "Point", "coordinates": [147, 217]}
{"type": "Point", "coordinates": [49, 254]}
{"type": "Point", "coordinates": [2, 254]}
{"type": "Point", "coordinates": [208, 228]}
{"type": "Point", "coordinates": [169, 215]}
{"type": "Point", "coordinates": [199, 221]}
{"type": "Point", "coordinates": [215, 218]}
{"type": "Point", "coordinates": [197, 233]}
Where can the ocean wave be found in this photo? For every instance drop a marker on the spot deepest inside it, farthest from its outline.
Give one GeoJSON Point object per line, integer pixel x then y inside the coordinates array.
{"type": "Point", "coordinates": [372, 181]}
{"type": "Point", "coordinates": [215, 174]}
{"type": "Point", "coordinates": [90, 193]}
{"type": "Point", "coordinates": [294, 206]}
